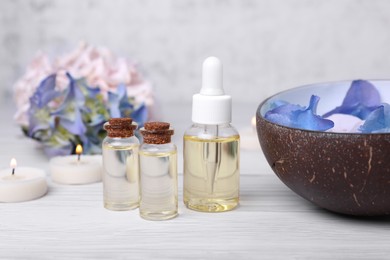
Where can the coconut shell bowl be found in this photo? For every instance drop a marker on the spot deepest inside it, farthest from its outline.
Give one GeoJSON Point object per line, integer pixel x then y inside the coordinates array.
{"type": "Point", "coordinates": [344, 171]}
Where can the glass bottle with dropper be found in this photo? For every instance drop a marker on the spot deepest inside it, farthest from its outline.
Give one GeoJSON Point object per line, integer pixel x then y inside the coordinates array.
{"type": "Point", "coordinates": [120, 165]}
{"type": "Point", "coordinates": [211, 147]}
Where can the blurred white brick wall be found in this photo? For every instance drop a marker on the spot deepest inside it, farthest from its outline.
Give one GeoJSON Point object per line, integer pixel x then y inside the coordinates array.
{"type": "Point", "coordinates": [266, 45]}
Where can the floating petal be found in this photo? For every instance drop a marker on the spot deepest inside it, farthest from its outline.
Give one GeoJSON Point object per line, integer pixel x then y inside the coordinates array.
{"type": "Point", "coordinates": [378, 121]}
{"type": "Point", "coordinates": [361, 99]}
{"type": "Point", "coordinates": [297, 117]}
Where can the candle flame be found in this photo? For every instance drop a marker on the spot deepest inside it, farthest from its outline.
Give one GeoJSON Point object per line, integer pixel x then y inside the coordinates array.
{"type": "Point", "coordinates": [79, 149]}
{"type": "Point", "coordinates": [13, 163]}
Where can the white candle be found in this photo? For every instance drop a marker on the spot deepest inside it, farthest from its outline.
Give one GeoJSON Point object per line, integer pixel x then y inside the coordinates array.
{"type": "Point", "coordinates": [22, 184]}
{"type": "Point", "coordinates": [248, 137]}
{"type": "Point", "coordinates": [76, 169]}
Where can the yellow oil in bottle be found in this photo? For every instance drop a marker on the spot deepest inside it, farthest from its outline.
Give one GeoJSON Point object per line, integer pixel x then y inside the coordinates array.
{"type": "Point", "coordinates": [120, 177]}
{"type": "Point", "coordinates": [211, 173]}
{"type": "Point", "coordinates": [158, 173]}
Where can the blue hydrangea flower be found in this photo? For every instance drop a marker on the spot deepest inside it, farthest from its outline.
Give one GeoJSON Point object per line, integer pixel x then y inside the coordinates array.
{"type": "Point", "coordinates": [297, 117]}
{"type": "Point", "coordinates": [78, 118]}
{"type": "Point", "coordinates": [361, 99]}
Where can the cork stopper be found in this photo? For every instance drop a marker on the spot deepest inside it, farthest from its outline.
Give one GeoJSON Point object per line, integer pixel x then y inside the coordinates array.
{"type": "Point", "coordinates": [157, 133]}
{"type": "Point", "coordinates": [120, 127]}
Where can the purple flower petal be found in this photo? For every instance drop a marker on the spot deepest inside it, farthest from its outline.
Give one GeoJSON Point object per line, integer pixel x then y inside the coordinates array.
{"type": "Point", "coordinates": [114, 105]}
{"type": "Point", "coordinates": [74, 93]}
{"type": "Point", "coordinates": [39, 112]}
{"type": "Point", "coordinates": [86, 90]}
{"type": "Point", "coordinates": [308, 119]}
{"type": "Point", "coordinates": [72, 121]}
{"type": "Point", "coordinates": [119, 104]}
{"type": "Point", "coordinates": [91, 144]}
{"type": "Point", "coordinates": [69, 111]}
{"type": "Point", "coordinates": [60, 143]}
{"type": "Point", "coordinates": [361, 99]}
{"type": "Point", "coordinates": [45, 92]}
{"type": "Point", "coordinates": [140, 115]}
{"type": "Point", "coordinates": [378, 121]}
{"type": "Point", "coordinates": [283, 114]}
{"type": "Point", "coordinates": [297, 117]}
{"type": "Point", "coordinates": [277, 103]}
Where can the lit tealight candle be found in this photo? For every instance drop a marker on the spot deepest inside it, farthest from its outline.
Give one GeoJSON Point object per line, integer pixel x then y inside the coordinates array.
{"type": "Point", "coordinates": [248, 137]}
{"type": "Point", "coordinates": [76, 169]}
{"type": "Point", "coordinates": [22, 184]}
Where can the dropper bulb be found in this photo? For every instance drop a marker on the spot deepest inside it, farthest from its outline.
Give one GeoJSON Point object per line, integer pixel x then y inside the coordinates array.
{"type": "Point", "coordinates": [212, 83]}
{"type": "Point", "coordinates": [211, 106]}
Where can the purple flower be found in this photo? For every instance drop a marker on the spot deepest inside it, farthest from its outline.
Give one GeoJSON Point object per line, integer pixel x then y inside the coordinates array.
{"type": "Point", "coordinates": [60, 142]}
{"type": "Point", "coordinates": [140, 115]}
{"type": "Point", "coordinates": [120, 106]}
{"type": "Point", "coordinates": [45, 92]}
{"type": "Point", "coordinates": [119, 103]}
{"type": "Point", "coordinates": [297, 117]}
{"type": "Point", "coordinates": [362, 98]}
{"type": "Point", "coordinates": [60, 120]}
{"type": "Point", "coordinates": [69, 113]}
{"type": "Point", "coordinates": [39, 114]}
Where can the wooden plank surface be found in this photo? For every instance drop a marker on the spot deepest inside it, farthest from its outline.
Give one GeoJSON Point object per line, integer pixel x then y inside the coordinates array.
{"type": "Point", "coordinates": [271, 222]}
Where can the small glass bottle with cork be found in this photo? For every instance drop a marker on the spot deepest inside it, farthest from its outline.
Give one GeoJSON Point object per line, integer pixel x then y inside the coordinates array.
{"type": "Point", "coordinates": [158, 172]}
{"type": "Point", "coordinates": [120, 165]}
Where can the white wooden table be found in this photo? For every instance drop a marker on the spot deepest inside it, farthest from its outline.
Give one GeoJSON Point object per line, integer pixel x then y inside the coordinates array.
{"type": "Point", "coordinates": [271, 222]}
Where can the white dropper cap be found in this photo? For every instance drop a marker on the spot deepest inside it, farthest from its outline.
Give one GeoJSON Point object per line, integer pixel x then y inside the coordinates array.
{"type": "Point", "coordinates": [211, 106]}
